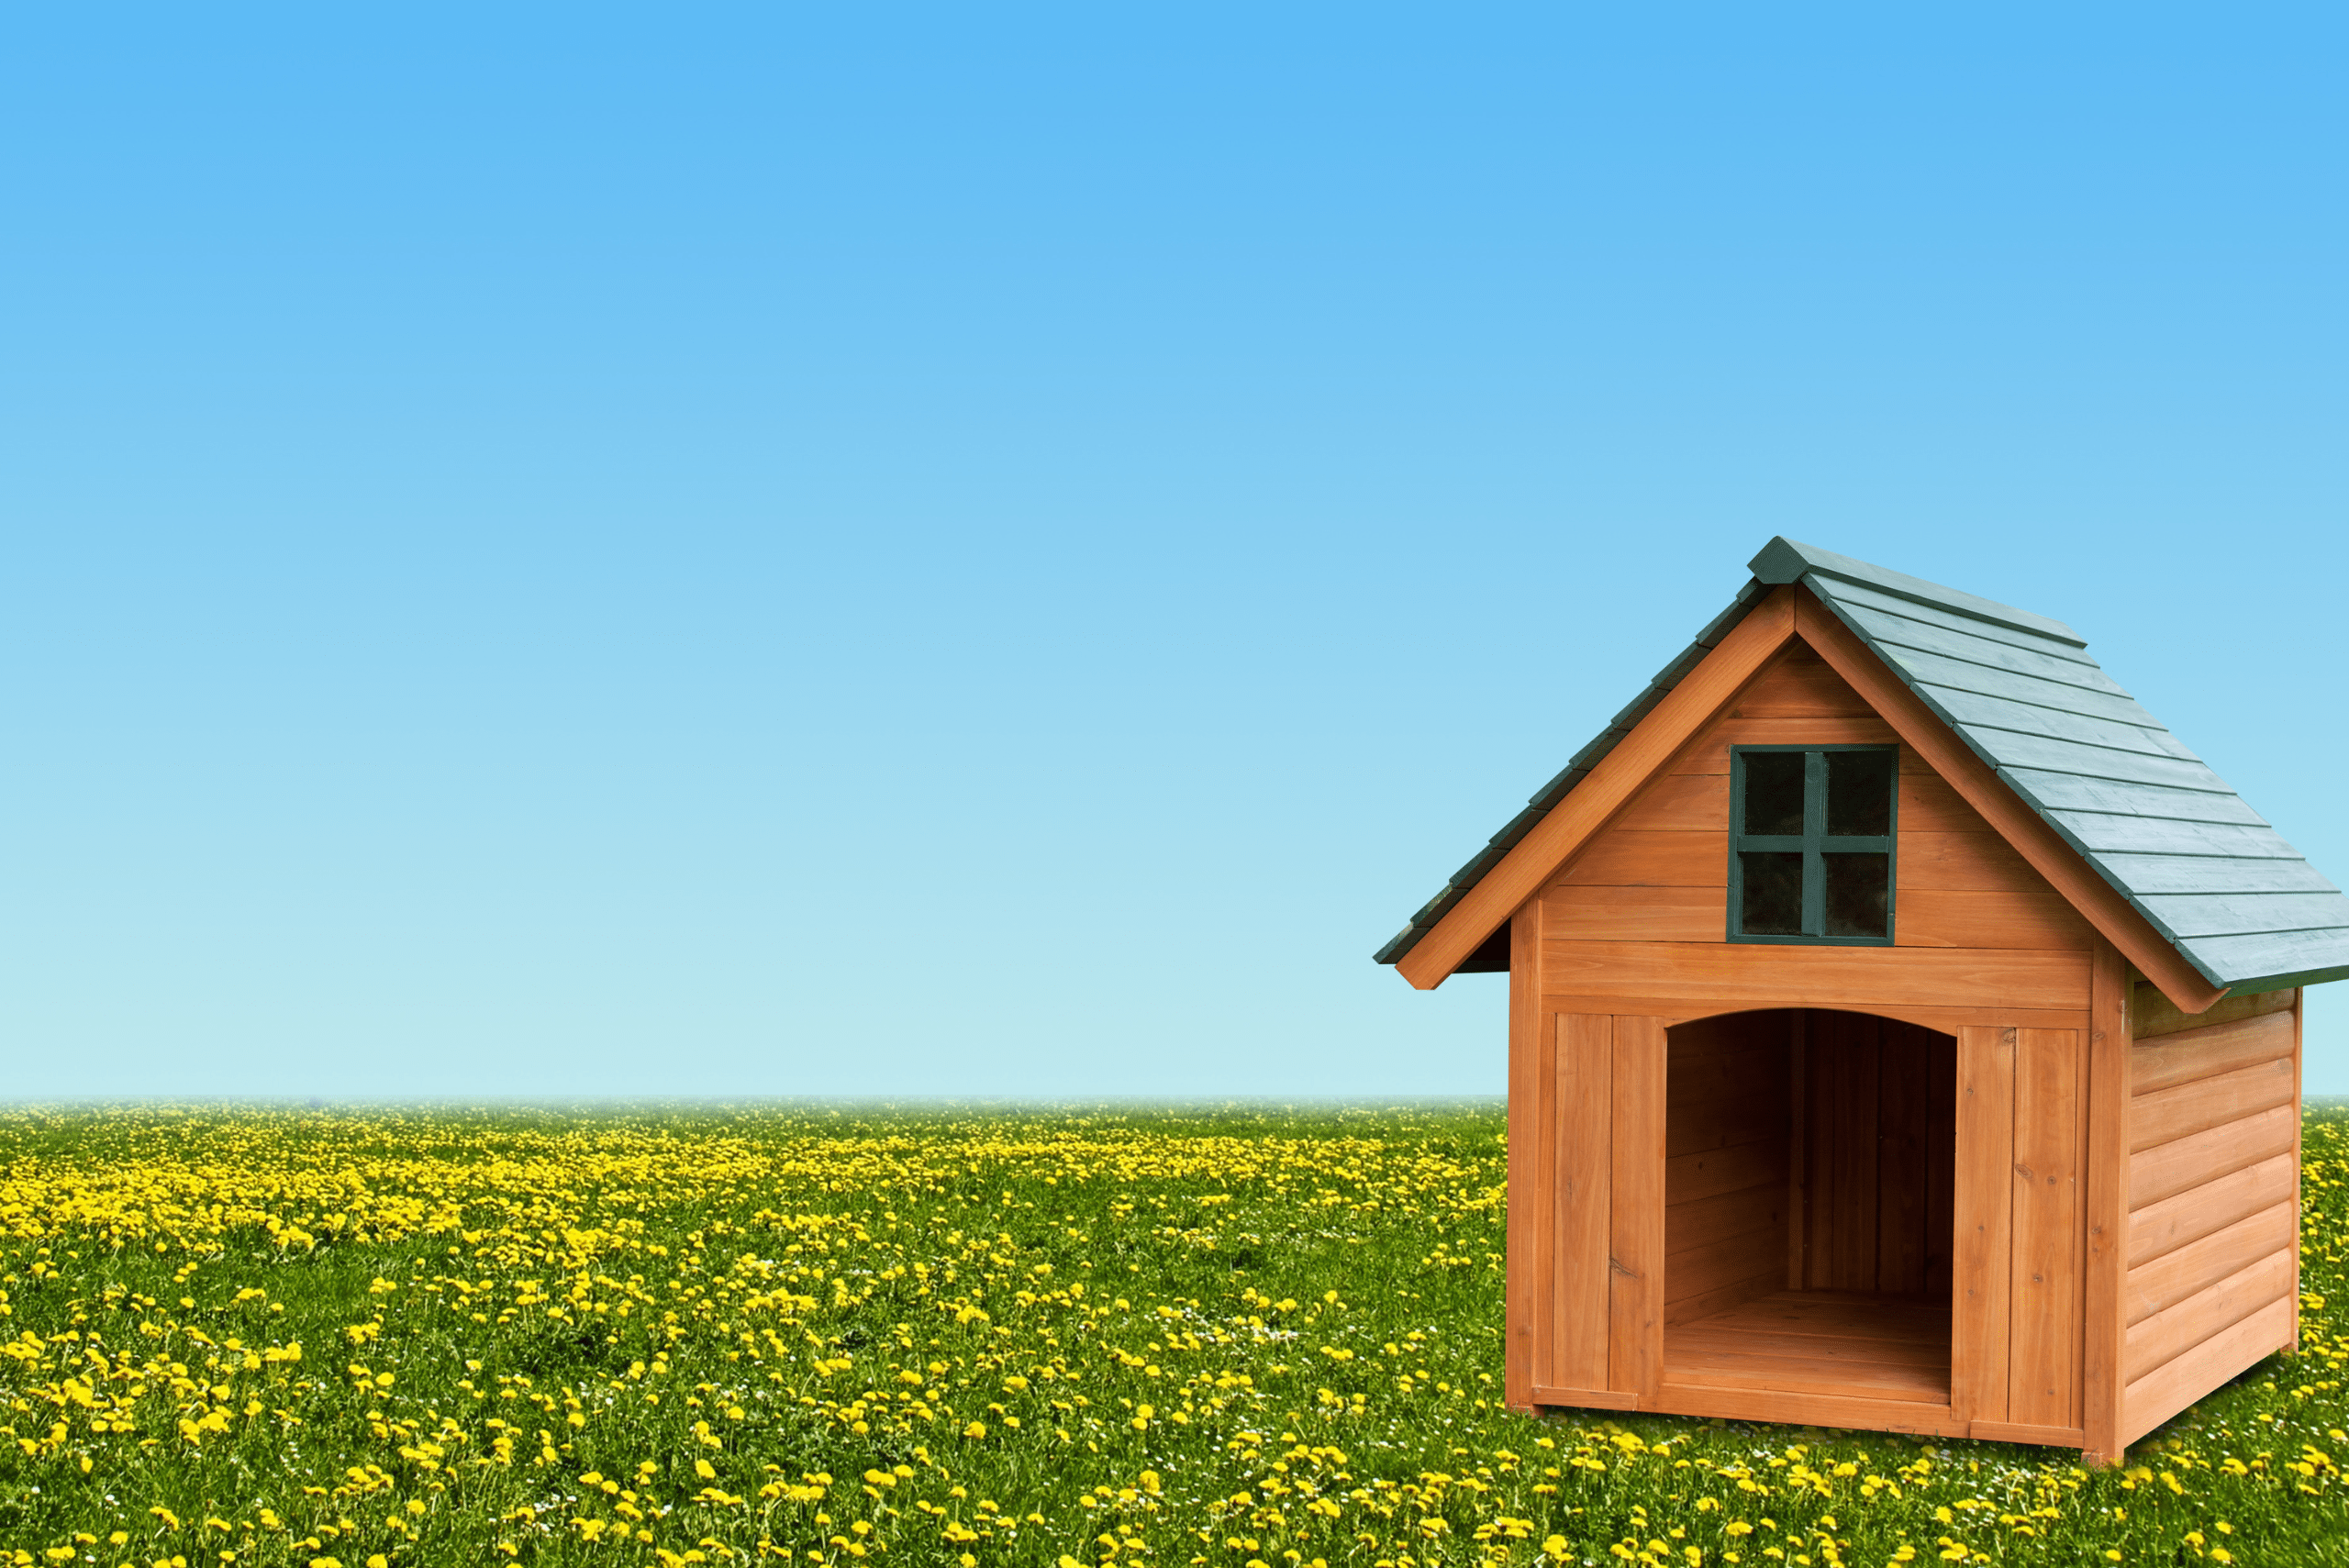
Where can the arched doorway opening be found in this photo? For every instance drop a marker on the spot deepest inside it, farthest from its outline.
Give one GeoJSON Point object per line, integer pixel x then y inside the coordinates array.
{"type": "Point", "coordinates": [1810, 1163]}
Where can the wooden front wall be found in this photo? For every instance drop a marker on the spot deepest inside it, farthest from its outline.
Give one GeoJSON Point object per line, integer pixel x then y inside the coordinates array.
{"type": "Point", "coordinates": [1636, 921]}
{"type": "Point", "coordinates": [2058, 1314]}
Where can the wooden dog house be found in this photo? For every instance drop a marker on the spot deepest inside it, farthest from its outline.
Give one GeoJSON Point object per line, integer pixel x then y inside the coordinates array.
{"type": "Point", "coordinates": [1904, 1034]}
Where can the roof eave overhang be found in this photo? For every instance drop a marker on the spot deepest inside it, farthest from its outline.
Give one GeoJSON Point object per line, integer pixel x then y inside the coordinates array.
{"type": "Point", "coordinates": [1706, 679]}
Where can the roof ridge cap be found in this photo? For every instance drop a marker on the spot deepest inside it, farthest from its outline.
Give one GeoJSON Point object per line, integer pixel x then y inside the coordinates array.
{"type": "Point", "coordinates": [1787, 560]}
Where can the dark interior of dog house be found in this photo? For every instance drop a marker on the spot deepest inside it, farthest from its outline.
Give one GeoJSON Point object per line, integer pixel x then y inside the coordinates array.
{"type": "Point", "coordinates": [1810, 1161]}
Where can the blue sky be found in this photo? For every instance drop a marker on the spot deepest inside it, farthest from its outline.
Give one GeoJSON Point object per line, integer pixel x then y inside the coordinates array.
{"type": "Point", "coordinates": [1002, 550]}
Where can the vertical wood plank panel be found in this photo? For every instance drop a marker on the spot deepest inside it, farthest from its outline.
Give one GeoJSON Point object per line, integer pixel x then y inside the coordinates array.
{"type": "Point", "coordinates": [1901, 1142]}
{"type": "Point", "coordinates": [2103, 1382]}
{"type": "Point", "coordinates": [1940, 1107]}
{"type": "Point", "coordinates": [1798, 1206]}
{"type": "Point", "coordinates": [2044, 1336]}
{"type": "Point", "coordinates": [1841, 1167]}
{"type": "Point", "coordinates": [1984, 1204]}
{"type": "Point", "coordinates": [1527, 1213]}
{"type": "Point", "coordinates": [1544, 1206]}
{"type": "Point", "coordinates": [1584, 1120]}
{"type": "Point", "coordinates": [1635, 1290]}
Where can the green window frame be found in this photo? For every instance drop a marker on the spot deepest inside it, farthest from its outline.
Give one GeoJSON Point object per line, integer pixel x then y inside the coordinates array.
{"type": "Point", "coordinates": [1813, 833]}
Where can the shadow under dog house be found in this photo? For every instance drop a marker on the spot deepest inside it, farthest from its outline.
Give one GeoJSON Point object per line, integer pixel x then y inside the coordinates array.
{"type": "Point", "coordinates": [1904, 1034]}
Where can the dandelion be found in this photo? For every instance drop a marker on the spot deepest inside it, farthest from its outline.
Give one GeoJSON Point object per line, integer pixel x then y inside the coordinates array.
{"type": "Point", "coordinates": [1268, 1340]}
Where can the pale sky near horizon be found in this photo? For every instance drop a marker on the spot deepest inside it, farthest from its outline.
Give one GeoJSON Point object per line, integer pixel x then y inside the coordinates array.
{"type": "Point", "coordinates": [754, 550]}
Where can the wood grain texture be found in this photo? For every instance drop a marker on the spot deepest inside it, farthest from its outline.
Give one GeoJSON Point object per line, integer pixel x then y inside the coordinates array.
{"type": "Point", "coordinates": [2103, 1381]}
{"type": "Point", "coordinates": [1636, 914]}
{"type": "Point", "coordinates": [1724, 1218]}
{"type": "Point", "coordinates": [1679, 803]}
{"type": "Point", "coordinates": [2153, 1015]}
{"type": "Point", "coordinates": [2016, 821]}
{"type": "Point", "coordinates": [1806, 1410]}
{"type": "Point", "coordinates": [1711, 1041]}
{"type": "Point", "coordinates": [1963, 862]}
{"type": "Point", "coordinates": [1680, 1009]}
{"type": "Point", "coordinates": [2045, 1340]}
{"type": "Point", "coordinates": [1799, 683]}
{"type": "Point", "coordinates": [2167, 1114]}
{"type": "Point", "coordinates": [1695, 1178]}
{"type": "Point", "coordinates": [1984, 1213]}
{"type": "Point", "coordinates": [2211, 1208]}
{"type": "Point", "coordinates": [1928, 803]}
{"type": "Point", "coordinates": [2020, 1432]}
{"type": "Point", "coordinates": [2171, 1060]}
{"type": "Point", "coordinates": [1736, 1267]}
{"type": "Point", "coordinates": [2162, 1283]}
{"type": "Point", "coordinates": [1611, 784]}
{"type": "Point", "coordinates": [2154, 1341]}
{"type": "Point", "coordinates": [1940, 1177]}
{"type": "Point", "coordinates": [1522, 1286]}
{"type": "Point", "coordinates": [2169, 1389]}
{"type": "Point", "coordinates": [2169, 1169]}
{"type": "Point", "coordinates": [1852, 978]}
{"type": "Point", "coordinates": [1906, 1142]}
{"type": "Point", "coordinates": [1584, 1399]}
{"type": "Point", "coordinates": [1714, 1108]}
{"type": "Point", "coordinates": [1635, 1290]}
{"type": "Point", "coordinates": [1710, 753]}
{"type": "Point", "coordinates": [1584, 1217]}
{"type": "Point", "coordinates": [1813, 1373]}
{"type": "Point", "coordinates": [1952, 918]}
{"type": "Point", "coordinates": [1618, 858]}
{"type": "Point", "coordinates": [1840, 1157]}
{"type": "Point", "coordinates": [1797, 1180]}
{"type": "Point", "coordinates": [2297, 1013]}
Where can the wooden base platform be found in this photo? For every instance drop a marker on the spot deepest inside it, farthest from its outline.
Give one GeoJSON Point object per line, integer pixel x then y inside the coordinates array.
{"type": "Point", "coordinates": [1845, 1343]}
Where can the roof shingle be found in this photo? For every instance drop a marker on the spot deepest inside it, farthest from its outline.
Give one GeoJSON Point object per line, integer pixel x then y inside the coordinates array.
{"type": "Point", "coordinates": [2221, 885]}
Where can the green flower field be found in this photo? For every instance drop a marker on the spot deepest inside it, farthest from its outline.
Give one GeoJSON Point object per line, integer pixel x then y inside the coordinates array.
{"type": "Point", "coordinates": [1249, 1337]}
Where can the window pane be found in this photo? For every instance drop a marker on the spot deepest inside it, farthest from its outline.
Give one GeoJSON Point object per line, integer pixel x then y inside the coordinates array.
{"type": "Point", "coordinates": [1773, 791]}
{"type": "Point", "coordinates": [1858, 894]}
{"type": "Point", "coordinates": [1859, 792]}
{"type": "Point", "coordinates": [1772, 905]}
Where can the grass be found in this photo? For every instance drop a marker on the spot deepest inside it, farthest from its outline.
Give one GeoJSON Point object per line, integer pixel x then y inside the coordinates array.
{"type": "Point", "coordinates": [1242, 1339]}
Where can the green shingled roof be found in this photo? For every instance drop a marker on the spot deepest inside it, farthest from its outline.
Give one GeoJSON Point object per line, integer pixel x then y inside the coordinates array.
{"type": "Point", "coordinates": [2237, 902]}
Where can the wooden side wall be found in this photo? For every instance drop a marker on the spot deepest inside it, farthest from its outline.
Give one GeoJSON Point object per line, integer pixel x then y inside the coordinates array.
{"type": "Point", "coordinates": [1725, 1183]}
{"type": "Point", "coordinates": [2211, 1249]}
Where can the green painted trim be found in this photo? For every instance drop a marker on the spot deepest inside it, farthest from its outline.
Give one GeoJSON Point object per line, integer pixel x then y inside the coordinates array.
{"type": "Point", "coordinates": [1812, 844]}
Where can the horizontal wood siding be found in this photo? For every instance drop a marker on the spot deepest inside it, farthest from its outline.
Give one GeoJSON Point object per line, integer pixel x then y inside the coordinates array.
{"type": "Point", "coordinates": [1658, 872]}
{"type": "Point", "coordinates": [1725, 1117]}
{"type": "Point", "coordinates": [2213, 1199]}
{"type": "Point", "coordinates": [2151, 1015]}
{"type": "Point", "coordinates": [1703, 976]}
